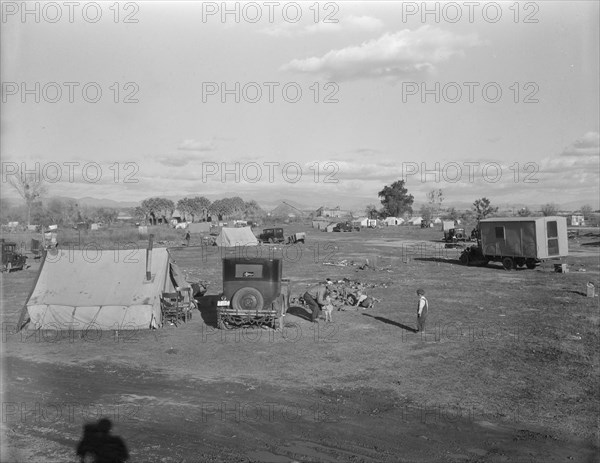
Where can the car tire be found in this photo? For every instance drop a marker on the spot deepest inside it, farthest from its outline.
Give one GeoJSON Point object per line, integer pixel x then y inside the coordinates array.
{"type": "Point", "coordinates": [247, 299]}
{"type": "Point", "coordinates": [530, 263]}
{"type": "Point", "coordinates": [508, 263]}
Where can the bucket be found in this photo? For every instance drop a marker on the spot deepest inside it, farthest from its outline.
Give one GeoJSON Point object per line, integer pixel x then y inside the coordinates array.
{"type": "Point", "coordinates": [590, 290]}
{"type": "Point", "coordinates": [561, 268]}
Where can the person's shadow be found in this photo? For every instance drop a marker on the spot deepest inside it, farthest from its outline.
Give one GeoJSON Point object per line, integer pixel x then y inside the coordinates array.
{"type": "Point", "coordinates": [391, 322]}
{"type": "Point", "coordinates": [100, 446]}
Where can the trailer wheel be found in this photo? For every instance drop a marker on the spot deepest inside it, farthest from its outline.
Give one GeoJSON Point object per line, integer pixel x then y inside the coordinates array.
{"type": "Point", "coordinates": [508, 263]}
{"type": "Point", "coordinates": [530, 264]}
{"type": "Point", "coordinates": [464, 258]}
{"type": "Point", "coordinates": [520, 262]}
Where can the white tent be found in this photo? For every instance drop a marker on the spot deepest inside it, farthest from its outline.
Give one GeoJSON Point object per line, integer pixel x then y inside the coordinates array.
{"type": "Point", "coordinates": [437, 220]}
{"type": "Point", "coordinates": [103, 290]}
{"type": "Point", "coordinates": [231, 237]}
{"type": "Point", "coordinates": [393, 221]}
{"type": "Point", "coordinates": [416, 221]}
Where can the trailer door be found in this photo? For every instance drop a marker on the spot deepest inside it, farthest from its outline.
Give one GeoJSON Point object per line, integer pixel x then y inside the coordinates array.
{"type": "Point", "coordinates": [552, 236]}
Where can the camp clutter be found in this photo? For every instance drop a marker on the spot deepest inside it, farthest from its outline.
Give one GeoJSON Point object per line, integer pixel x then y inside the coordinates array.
{"type": "Point", "coordinates": [346, 293]}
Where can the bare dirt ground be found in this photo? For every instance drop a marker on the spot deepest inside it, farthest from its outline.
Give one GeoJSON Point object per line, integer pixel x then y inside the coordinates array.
{"type": "Point", "coordinates": [507, 371]}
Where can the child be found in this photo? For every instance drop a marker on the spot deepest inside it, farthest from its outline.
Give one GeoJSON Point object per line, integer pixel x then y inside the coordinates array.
{"type": "Point", "coordinates": [422, 309]}
{"type": "Point", "coordinates": [328, 309]}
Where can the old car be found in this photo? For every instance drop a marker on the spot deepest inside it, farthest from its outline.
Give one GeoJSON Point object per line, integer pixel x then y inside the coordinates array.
{"type": "Point", "coordinates": [296, 238]}
{"type": "Point", "coordinates": [272, 235]}
{"type": "Point", "coordinates": [11, 259]}
{"type": "Point", "coordinates": [343, 227]}
{"type": "Point", "coordinates": [455, 234]}
{"type": "Point", "coordinates": [254, 292]}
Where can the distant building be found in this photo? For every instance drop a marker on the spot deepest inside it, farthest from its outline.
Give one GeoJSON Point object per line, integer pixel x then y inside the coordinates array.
{"type": "Point", "coordinates": [577, 220]}
{"type": "Point", "coordinates": [332, 212]}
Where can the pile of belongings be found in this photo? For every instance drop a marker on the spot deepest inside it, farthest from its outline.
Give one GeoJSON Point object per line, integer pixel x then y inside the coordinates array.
{"type": "Point", "coordinates": [347, 293]}
{"type": "Point", "coordinates": [360, 266]}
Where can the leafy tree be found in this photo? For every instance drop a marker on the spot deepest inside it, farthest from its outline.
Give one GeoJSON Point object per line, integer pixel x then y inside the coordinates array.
{"type": "Point", "coordinates": [524, 212]}
{"type": "Point", "coordinates": [371, 211]}
{"type": "Point", "coordinates": [253, 210]}
{"type": "Point", "coordinates": [196, 207]}
{"type": "Point", "coordinates": [435, 199]}
{"type": "Point", "coordinates": [586, 211]}
{"type": "Point", "coordinates": [395, 199]}
{"type": "Point", "coordinates": [30, 187]}
{"type": "Point", "coordinates": [483, 208]}
{"type": "Point", "coordinates": [157, 208]}
{"type": "Point", "coordinates": [426, 212]}
{"type": "Point", "coordinates": [549, 209]}
{"type": "Point", "coordinates": [452, 214]}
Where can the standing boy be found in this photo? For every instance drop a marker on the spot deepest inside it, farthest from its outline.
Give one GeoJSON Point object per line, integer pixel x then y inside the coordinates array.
{"type": "Point", "coordinates": [422, 310]}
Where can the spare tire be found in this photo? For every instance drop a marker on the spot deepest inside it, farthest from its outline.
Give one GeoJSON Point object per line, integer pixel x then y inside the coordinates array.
{"type": "Point", "coordinates": [351, 299]}
{"type": "Point", "coordinates": [247, 299]}
{"type": "Point", "coordinates": [459, 236]}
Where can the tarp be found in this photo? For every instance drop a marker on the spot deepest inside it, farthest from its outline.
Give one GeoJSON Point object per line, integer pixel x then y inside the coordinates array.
{"type": "Point", "coordinates": [108, 289]}
{"type": "Point", "coordinates": [231, 237]}
{"type": "Point", "coordinates": [199, 227]}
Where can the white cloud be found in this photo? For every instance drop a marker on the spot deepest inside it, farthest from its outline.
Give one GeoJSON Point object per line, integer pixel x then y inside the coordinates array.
{"type": "Point", "coordinates": [395, 55]}
{"type": "Point", "coordinates": [588, 145]}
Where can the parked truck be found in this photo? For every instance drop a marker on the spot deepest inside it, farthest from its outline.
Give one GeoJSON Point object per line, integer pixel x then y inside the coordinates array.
{"type": "Point", "coordinates": [518, 241]}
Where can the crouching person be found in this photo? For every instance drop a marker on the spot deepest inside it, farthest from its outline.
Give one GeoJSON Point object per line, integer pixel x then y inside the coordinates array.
{"type": "Point", "coordinates": [315, 297]}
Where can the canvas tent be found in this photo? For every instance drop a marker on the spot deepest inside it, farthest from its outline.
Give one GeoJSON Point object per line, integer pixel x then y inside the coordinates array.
{"type": "Point", "coordinates": [101, 290]}
{"type": "Point", "coordinates": [416, 221]}
{"type": "Point", "coordinates": [231, 237]}
{"type": "Point", "coordinates": [393, 221]}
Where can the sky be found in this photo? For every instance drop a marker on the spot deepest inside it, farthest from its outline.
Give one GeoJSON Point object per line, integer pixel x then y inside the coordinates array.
{"type": "Point", "coordinates": [321, 103]}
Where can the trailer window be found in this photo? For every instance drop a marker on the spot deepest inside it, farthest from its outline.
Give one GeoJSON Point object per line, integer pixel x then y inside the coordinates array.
{"type": "Point", "coordinates": [499, 233]}
{"type": "Point", "coordinates": [552, 232]}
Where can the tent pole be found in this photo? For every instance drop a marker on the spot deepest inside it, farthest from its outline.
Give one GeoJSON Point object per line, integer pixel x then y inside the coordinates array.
{"type": "Point", "coordinates": [149, 258]}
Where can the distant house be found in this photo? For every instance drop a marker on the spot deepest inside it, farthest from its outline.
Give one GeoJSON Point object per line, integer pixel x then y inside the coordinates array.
{"type": "Point", "coordinates": [123, 216]}
{"type": "Point", "coordinates": [332, 212]}
{"type": "Point", "coordinates": [365, 222]}
{"type": "Point", "coordinates": [577, 220]}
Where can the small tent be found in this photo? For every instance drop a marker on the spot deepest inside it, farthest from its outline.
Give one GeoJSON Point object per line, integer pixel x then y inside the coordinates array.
{"type": "Point", "coordinates": [416, 221]}
{"type": "Point", "coordinates": [393, 221]}
{"type": "Point", "coordinates": [231, 237]}
{"type": "Point", "coordinates": [101, 290]}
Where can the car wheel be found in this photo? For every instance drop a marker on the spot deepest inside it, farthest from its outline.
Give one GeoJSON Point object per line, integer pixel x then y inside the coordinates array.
{"type": "Point", "coordinates": [508, 263]}
{"type": "Point", "coordinates": [531, 264]}
{"type": "Point", "coordinates": [247, 299]}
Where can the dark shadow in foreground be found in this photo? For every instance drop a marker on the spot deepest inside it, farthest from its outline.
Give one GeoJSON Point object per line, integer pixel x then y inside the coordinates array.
{"type": "Point", "coordinates": [391, 322]}
{"type": "Point", "coordinates": [100, 445]}
{"type": "Point", "coordinates": [300, 312]}
{"type": "Point", "coordinates": [207, 305]}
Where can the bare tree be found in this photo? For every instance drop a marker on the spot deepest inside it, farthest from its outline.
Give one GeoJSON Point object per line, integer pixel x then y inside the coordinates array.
{"type": "Point", "coordinates": [549, 209]}
{"type": "Point", "coordinates": [31, 188]}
